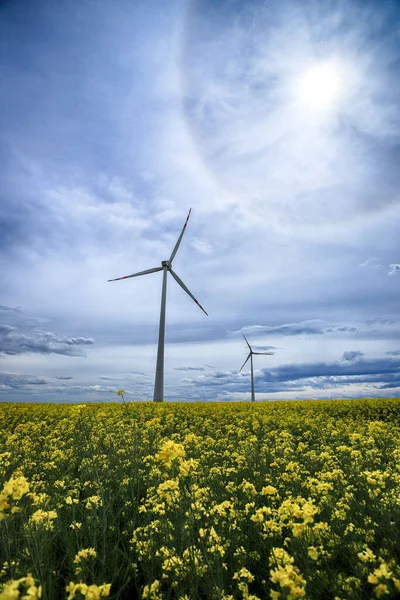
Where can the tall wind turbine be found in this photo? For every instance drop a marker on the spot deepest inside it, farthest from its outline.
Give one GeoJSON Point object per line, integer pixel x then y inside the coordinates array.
{"type": "Point", "coordinates": [166, 267]}
{"type": "Point", "coordinates": [250, 356]}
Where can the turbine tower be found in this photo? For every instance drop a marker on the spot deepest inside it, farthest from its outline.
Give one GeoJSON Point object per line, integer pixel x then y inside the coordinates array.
{"type": "Point", "coordinates": [166, 267]}
{"type": "Point", "coordinates": [250, 356]}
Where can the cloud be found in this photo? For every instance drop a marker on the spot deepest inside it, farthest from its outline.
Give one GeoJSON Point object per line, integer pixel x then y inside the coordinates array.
{"type": "Point", "coordinates": [13, 342]}
{"type": "Point", "coordinates": [64, 377]}
{"type": "Point", "coordinates": [393, 353]}
{"type": "Point", "coordinates": [371, 263]}
{"type": "Point", "coordinates": [352, 356]}
{"type": "Point", "coordinates": [302, 328]}
{"type": "Point", "coordinates": [353, 370]}
{"type": "Point", "coordinates": [394, 268]}
{"type": "Point", "coordinates": [10, 309]}
{"type": "Point", "coordinates": [189, 369]}
{"type": "Point", "coordinates": [201, 245]}
{"type": "Point", "coordinates": [380, 321]}
{"type": "Point", "coordinates": [17, 380]}
{"type": "Point", "coordinates": [15, 316]}
{"type": "Point", "coordinates": [266, 348]}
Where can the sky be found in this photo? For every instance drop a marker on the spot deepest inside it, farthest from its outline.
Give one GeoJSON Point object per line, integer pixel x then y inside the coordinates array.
{"type": "Point", "coordinates": [277, 122]}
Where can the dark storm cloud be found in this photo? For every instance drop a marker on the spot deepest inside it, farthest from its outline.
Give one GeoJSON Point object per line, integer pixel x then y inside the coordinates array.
{"type": "Point", "coordinates": [351, 370]}
{"type": "Point", "coordinates": [361, 367]}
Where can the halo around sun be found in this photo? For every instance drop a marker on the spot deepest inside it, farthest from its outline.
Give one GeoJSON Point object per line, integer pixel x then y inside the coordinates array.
{"type": "Point", "coordinates": [319, 86]}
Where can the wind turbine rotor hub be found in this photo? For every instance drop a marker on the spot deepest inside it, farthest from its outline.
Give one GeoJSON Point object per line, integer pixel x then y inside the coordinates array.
{"type": "Point", "coordinates": [166, 263]}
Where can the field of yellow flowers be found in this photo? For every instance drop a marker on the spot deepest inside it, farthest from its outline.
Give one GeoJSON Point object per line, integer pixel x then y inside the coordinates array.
{"type": "Point", "coordinates": [200, 501]}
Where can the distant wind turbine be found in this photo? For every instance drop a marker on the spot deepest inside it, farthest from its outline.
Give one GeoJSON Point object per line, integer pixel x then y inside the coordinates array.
{"type": "Point", "coordinates": [166, 267]}
{"type": "Point", "coordinates": [250, 356]}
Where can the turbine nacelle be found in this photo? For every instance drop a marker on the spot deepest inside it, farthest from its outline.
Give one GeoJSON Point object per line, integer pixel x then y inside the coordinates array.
{"type": "Point", "coordinates": [166, 263]}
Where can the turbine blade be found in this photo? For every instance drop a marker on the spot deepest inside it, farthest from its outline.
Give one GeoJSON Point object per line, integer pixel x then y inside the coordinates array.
{"type": "Point", "coordinates": [269, 353]}
{"type": "Point", "coordinates": [245, 362]}
{"type": "Point", "coordinates": [175, 250]}
{"type": "Point", "coordinates": [137, 274]}
{"type": "Point", "coordinates": [247, 342]}
{"type": "Point", "coordinates": [179, 280]}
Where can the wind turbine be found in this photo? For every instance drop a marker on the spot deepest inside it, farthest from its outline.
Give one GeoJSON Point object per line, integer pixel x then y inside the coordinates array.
{"type": "Point", "coordinates": [250, 356]}
{"type": "Point", "coordinates": [166, 266]}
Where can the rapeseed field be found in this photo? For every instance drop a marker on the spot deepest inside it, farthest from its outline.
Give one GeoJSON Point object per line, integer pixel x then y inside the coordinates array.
{"type": "Point", "coordinates": [184, 501]}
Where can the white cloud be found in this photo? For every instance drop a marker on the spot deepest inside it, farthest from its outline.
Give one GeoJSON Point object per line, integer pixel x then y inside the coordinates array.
{"type": "Point", "coordinates": [393, 269]}
{"type": "Point", "coordinates": [201, 245]}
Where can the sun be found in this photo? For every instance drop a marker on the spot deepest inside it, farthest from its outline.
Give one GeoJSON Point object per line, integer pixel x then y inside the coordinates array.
{"type": "Point", "coordinates": [320, 85]}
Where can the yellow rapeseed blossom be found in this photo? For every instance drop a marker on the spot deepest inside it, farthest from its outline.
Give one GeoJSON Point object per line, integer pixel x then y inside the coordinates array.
{"type": "Point", "coordinates": [44, 518]}
{"type": "Point", "coordinates": [366, 555]}
{"type": "Point", "coordinates": [16, 487]}
{"type": "Point", "coordinates": [13, 489]}
{"type": "Point", "coordinates": [11, 591]}
{"type": "Point", "coordinates": [195, 494]}
{"type": "Point", "coordinates": [89, 592]}
{"type": "Point", "coordinates": [269, 490]}
{"type": "Point", "coordinates": [93, 502]}
{"type": "Point", "coordinates": [169, 491]}
{"type": "Point", "coordinates": [185, 466]}
{"type": "Point", "coordinates": [244, 574]}
{"type": "Point", "coordinates": [170, 451]}
{"type": "Point", "coordinates": [151, 592]}
{"type": "Point", "coordinates": [286, 574]}
{"type": "Point", "coordinates": [84, 554]}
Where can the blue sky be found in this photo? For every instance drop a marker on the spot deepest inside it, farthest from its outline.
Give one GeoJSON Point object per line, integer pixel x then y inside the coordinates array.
{"type": "Point", "coordinates": [277, 122]}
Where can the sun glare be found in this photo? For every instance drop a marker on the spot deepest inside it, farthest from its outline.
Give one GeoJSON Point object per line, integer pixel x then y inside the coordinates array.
{"type": "Point", "coordinates": [320, 85]}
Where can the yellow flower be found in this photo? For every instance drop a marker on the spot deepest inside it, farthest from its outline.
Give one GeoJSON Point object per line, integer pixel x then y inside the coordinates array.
{"type": "Point", "coordinates": [366, 555]}
{"type": "Point", "coordinates": [16, 487]}
{"type": "Point", "coordinates": [244, 574]}
{"type": "Point", "coordinates": [93, 502]}
{"type": "Point", "coordinates": [11, 590]}
{"type": "Point", "coordinates": [186, 465]}
{"type": "Point", "coordinates": [120, 392]}
{"type": "Point", "coordinates": [298, 529]}
{"type": "Point", "coordinates": [151, 591]}
{"type": "Point", "coordinates": [313, 553]}
{"type": "Point", "coordinates": [90, 592]}
{"type": "Point", "coordinates": [85, 553]}
{"type": "Point", "coordinates": [381, 590]}
{"type": "Point", "coordinates": [269, 490]}
{"type": "Point", "coordinates": [43, 517]}
{"type": "Point", "coordinates": [170, 451]}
